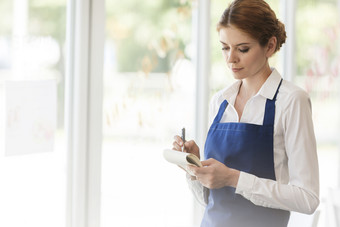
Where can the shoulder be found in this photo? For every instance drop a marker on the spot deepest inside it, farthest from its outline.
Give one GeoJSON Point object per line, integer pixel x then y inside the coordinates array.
{"type": "Point", "coordinates": [291, 95]}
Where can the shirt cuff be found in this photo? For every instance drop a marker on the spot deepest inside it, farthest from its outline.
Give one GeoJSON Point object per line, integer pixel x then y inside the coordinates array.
{"type": "Point", "coordinates": [190, 177]}
{"type": "Point", "coordinates": [245, 184]}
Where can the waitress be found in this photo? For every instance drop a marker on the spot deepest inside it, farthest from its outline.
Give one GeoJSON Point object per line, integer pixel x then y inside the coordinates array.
{"type": "Point", "coordinates": [260, 158]}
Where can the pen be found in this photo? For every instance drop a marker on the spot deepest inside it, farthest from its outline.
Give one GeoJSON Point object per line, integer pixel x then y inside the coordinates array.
{"type": "Point", "coordinates": [183, 137]}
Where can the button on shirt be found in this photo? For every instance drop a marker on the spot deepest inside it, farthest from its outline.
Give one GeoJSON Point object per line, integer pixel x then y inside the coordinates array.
{"type": "Point", "coordinates": [295, 157]}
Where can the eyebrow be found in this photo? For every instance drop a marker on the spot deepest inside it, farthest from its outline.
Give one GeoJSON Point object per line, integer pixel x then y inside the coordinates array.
{"type": "Point", "coordinates": [240, 44]}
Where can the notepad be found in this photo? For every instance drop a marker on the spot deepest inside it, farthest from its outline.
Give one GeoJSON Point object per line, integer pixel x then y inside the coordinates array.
{"type": "Point", "coordinates": [182, 159]}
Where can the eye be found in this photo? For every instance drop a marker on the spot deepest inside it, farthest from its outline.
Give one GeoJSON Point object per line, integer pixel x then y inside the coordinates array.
{"type": "Point", "coordinates": [225, 48]}
{"type": "Point", "coordinates": [244, 50]}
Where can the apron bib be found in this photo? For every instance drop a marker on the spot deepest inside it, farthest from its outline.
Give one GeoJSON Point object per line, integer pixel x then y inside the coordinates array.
{"type": "Point", "coordinates": [248, 148]}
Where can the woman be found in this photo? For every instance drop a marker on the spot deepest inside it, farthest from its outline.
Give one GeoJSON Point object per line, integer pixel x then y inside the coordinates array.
{"type": "Point", "coordinates": [260, 152]}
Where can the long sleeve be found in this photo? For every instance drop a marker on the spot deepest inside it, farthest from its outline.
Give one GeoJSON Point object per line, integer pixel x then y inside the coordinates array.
{"type": "Point", "coordinates": [200, 192]}
{"type": "Point", "coordinates": [301, 193]}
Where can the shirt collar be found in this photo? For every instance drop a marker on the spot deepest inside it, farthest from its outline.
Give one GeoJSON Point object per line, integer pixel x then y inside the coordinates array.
{"type": "Point", "coordinates": [270, 86]}
{"type": "Point", "coordinates": [267, 90]}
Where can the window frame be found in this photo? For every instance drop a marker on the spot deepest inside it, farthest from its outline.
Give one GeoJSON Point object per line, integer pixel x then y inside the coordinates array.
{"type": "Point", "coordinates": [83, 110]}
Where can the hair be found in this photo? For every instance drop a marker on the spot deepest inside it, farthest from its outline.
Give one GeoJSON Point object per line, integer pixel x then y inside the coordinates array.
{"type": "Point", "coordinates": [255, 18]}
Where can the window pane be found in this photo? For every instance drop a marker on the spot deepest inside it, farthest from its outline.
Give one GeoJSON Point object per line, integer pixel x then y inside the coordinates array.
{"type": "Point", "coordinates": [32, 142]}
{"type": "Point", "coordinates": [318, 70]}
{"type": "Point", "coordinates": [149, 96]}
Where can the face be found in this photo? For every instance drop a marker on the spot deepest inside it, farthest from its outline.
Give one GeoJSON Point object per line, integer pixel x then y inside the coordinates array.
{"type": "Point", "coordinates": [244, 55]}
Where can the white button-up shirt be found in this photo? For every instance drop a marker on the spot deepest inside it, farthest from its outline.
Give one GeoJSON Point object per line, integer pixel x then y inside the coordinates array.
{"type": "Point", "coordinates": [296, 187]}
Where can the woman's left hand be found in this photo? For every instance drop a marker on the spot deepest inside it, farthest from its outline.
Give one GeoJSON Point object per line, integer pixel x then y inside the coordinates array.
{"type": "Point", "coordinates": [215, 174]}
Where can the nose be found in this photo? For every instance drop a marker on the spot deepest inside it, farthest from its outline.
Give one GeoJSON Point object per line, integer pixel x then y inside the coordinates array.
{"type": "Point", "coordinates": [232, 56]}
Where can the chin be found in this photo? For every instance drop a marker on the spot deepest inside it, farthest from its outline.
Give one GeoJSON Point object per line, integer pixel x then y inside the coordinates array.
{"type": "Point", "coordinates": [238, 76]}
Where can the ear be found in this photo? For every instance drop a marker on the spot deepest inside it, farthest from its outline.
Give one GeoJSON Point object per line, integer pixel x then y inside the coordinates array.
{"type": "Point", "coordinates": [271, 46]}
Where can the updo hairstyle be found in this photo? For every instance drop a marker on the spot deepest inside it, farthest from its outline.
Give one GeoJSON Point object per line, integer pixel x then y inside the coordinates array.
{"type": "Point", "coordinates": [255, 18]}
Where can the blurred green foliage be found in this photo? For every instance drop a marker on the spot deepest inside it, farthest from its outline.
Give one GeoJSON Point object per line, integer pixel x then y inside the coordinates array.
{"type": "Point", "coordinates": [317, 33]}
{"type": "Point", "coordinates": [6, 18]}
{"type": "Point", "coordinates": [148, 35]}
{"type": "Point", "coordinates": [48, 18]}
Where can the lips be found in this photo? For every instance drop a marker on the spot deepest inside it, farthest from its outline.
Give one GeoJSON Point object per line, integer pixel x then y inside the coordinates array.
{"type": "Point", "coordinates": [235, 70]}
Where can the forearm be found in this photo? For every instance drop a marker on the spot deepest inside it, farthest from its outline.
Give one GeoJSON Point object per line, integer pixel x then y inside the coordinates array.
{"type": "Point", "coordinates": [270, 193]}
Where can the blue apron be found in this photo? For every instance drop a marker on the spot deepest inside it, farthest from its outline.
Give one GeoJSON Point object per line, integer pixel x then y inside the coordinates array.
{"type": "Point", "coordinates": [248, 148]}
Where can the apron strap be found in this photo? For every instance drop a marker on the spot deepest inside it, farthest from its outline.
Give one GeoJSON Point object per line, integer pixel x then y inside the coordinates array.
{"type": "Point", "coordinates": [269, 113]}
{"type": "Point", "coordinates": [219, 115]}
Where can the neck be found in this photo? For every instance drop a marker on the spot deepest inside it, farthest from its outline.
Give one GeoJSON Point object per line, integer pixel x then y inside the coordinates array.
{"type": "Point", "coordinates": [251, 85]}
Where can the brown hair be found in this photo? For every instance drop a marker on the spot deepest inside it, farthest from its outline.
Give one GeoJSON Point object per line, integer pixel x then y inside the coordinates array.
{"type": "Point", "coordinates": [255, 18]}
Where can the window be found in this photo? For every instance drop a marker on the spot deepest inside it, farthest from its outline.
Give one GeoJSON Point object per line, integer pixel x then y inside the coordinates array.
{"type": "Point", "coordinates": [317, 71]}
{"type": "Point", "coordinates": [149, 88]}
{"type": "Point", "coordinates": [32, 141]}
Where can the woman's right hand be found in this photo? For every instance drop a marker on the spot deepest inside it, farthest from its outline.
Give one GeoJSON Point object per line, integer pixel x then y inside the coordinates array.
{"type": "Point", "coordinates": [189, 146]}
